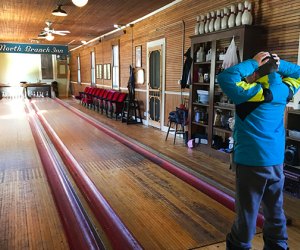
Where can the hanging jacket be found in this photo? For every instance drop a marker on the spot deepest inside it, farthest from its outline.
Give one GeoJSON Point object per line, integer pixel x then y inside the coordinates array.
{"type": "Point", "coordinates": [259, 134]}
{"type": "Point", "coordinates": [185, 79]}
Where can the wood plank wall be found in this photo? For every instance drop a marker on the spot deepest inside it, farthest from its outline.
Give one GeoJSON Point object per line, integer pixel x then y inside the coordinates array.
{"type": "Point", "coordinates": [281, 20]}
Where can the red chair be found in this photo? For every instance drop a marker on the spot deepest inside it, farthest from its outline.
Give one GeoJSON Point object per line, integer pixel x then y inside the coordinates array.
{"type": "Point", "coordinates": [101, 100]}
{"type": "Point", "coordinates": [117, 106]}
{"type": "Point", "coordinates": [107, 99]}
{"type": "Point", "coordinates": [96, 99]}
{"type": "Point", "coordinates": [88, 100]}
{"type": "Point", "coordinates": [95, 96]}
{"type": "Point", "coordinates": [85, 94]}
{"type": "Point", "coordinates": [109, 103]}
{"type": "Point", "coordinates": [80, 95]}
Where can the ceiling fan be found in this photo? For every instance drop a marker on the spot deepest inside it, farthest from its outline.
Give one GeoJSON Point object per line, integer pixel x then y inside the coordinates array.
{"type": "Point", "coordinates": [48, 32]}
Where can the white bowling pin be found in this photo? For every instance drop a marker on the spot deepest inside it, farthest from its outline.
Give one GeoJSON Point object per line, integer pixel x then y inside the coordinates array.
{"type": "Point", "coordinates": [217, 24]}
{"type": "Point", "coordinates": [197, 25]}
{"type": "Point", "coordinates": [225, 19]}
{"type": "Point", "coordinates": [212, 21]}
{"type": "Point", "coordinates": [206, 30]}
{"type": "Point", "coordinates": [231, 19]}
{"type": "Point", "coordinates": [247, 17]}
{"type": "Point", "coordinates": [238, 19]}
{"type": "Point", "coordinates": [201, 25]}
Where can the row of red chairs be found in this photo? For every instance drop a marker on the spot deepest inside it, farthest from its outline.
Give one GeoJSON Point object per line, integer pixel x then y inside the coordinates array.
{"type": "Point", "coordinates": [108, 100]}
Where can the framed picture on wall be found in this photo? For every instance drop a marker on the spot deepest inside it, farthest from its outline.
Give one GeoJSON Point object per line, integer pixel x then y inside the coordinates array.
{"type": "Point", "coordinates": [100, 71]}
{"type": "Point", "coordinates": [138, 56]}
{"type": "Point", "coordinates": [108, 73]}
{"type": "Point", "coordinates": [97, 71]}
{"type": "Point", "coordinates": [104, 71]}
{"type": "Point", "coordinates": [61, 69]}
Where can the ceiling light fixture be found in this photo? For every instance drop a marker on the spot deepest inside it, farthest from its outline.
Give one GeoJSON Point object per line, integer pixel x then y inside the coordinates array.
{"type": "Point", "coordinates": [80, 3]}
{"type": "Point", "coordinates": [49, 37]}
{"type": "Point", "coordinates": [59, 11]}
{"type": "Point", "coordinates": [118, 26]}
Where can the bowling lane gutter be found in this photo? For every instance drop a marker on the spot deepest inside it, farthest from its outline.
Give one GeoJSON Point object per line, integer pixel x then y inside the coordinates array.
{"type": "Point", "coordinates": [119, 235]}
{"type": "Point", "coordinates": [216, 194]}
{"type": "Point", "coordinates": [79, 236]}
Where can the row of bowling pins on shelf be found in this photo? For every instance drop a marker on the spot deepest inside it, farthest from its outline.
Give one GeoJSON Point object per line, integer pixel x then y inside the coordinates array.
{"type": "Point", "coordinates": [225, 18]}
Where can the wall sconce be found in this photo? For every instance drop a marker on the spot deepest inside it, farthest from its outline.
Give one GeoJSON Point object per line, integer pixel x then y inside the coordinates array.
{"type": "Point", "coordinates": [59, 11]}
{"type": "Point", "coordinates": [80, 3]}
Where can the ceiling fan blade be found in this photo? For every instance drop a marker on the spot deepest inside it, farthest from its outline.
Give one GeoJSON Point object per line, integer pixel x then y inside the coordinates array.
{"type": "Point", "coordinates": [43, 33]}
{"type": "Point", "coordinates": [63, 31]}
{"type": "Point", "coordinates": [58, 33]}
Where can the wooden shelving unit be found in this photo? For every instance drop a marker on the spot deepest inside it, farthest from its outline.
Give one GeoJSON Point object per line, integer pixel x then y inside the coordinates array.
{"type": "Point", "coordinates": [217, 101]}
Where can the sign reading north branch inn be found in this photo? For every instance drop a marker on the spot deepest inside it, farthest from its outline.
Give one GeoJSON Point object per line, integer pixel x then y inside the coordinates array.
{"type": "Point", "coordinates": [33, 48]}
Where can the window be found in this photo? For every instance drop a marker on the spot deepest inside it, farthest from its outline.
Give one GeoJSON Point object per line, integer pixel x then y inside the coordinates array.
{"type": "Point", "coordinates": [115, 68]}
{"type": "Point", "coordinates": [93, 68]}
{"type": "Point", "coordinates": [78, 70]}
{"type": "Point", "coordinates": [47, 66]}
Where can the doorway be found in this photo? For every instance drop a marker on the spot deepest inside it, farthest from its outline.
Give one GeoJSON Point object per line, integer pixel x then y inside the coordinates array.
{"type": "Point", "coordinates": [156, 83]}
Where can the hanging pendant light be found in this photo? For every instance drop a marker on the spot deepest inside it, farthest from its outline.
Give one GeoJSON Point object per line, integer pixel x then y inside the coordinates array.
{"type": "Point", "coordinates": [59, 11]}
{"type": "Point", "coordinates": [80, 3]}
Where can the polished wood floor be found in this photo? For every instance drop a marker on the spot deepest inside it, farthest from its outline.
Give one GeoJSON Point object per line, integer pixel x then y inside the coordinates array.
{"type": "Point", "coordinates": [28, 216]}
{"type": "Point", "coordinates": [160, 210]}
{"type": "Point", "coordinates": [209, 169]}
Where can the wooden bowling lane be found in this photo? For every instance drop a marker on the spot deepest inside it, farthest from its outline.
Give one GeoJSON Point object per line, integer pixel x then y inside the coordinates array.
{"type": "Point", "coordinates": [160, 210]}
{"type": "Point", "coordinates": [28, 215]}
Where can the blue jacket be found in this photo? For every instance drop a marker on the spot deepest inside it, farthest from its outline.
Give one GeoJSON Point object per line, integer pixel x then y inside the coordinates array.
{"type": "Point", "coordinates": [259, 134]}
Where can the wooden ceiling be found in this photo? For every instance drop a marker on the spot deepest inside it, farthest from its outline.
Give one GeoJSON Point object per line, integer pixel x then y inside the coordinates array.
{"type": "Point", "coordinates": [21, 21]}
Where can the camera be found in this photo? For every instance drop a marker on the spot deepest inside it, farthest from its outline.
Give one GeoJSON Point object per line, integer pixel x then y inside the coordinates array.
{"type": "Point", "coordinates": [291, 155]}
{"type": "Point", "coordinates": [267, 68]}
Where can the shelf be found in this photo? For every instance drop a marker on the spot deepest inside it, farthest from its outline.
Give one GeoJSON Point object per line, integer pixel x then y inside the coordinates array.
{"type": "Point", "coordinates": [224, 130]}
{"type": "Point", "coordinates": [202, 63]}
{"type": "Point", "coordinates": [224, 107]}
{"type": "Point", "coordinates": [214, 41]}
{"type": "Point", "coordinates": [200, 104]}
{"type": "Point", "coordinates": [201, 83]}
{"type": "Point", "coordinates": [200, 124]}
{"type": "Point", "coordinates": [292, 139]}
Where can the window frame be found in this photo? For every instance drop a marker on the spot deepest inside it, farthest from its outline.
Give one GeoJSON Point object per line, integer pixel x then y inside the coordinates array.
{"type": "Point", "coordinates": [115, 66]}
{"type": "Point", "coordinates": [93, 68]}
{"type": "Point", "coordinates": [78, 70]}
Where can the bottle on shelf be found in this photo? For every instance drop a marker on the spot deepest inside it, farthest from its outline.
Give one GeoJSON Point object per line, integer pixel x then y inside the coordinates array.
{"type": "Point", "coordinates": [200, 55]}
{"type": "Point", "coordinates": [200, 75]}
